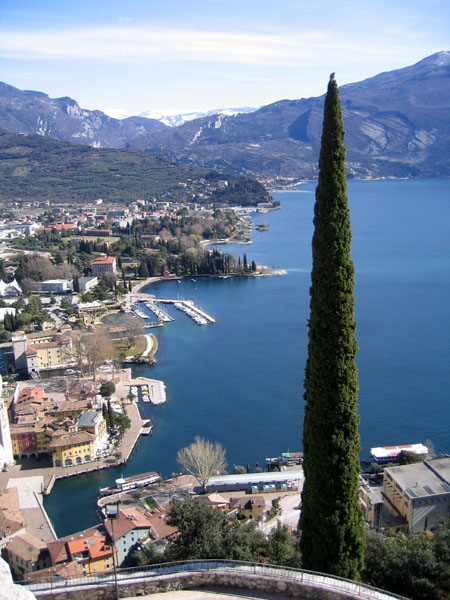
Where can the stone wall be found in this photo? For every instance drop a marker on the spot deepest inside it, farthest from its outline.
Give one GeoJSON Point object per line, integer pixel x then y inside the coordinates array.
{"type": "Point", "coordinates": [195, 580]}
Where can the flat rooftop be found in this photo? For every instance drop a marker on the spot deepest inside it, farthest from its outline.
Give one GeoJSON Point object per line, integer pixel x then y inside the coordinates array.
{"type": "Point", "coordinates": [423, 479]}
{"type": "Point", "coordinates": [254, 478]}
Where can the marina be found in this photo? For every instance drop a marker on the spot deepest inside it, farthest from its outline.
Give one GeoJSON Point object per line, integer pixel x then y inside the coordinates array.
{"type": "Point", "coordinates": [189, 307]}
{"type": "Point", "coordinates": [191, 313]}
{"type": "Point", "coordinates": [162, 316]}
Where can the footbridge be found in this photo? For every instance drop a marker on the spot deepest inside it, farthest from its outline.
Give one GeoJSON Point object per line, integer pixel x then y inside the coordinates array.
{"type": "Point", "coordinates": [260, 578]}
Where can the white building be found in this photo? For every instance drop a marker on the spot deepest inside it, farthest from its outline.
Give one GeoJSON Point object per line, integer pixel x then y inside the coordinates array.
{"type": "Point", "coordinates": [87, 283]}
{"type": "Point", "coordinates": [10, 289]}
{"type": "Point", "coordinates": [57, 286]}
{"type": "Point", "coordinates": [130, 527]}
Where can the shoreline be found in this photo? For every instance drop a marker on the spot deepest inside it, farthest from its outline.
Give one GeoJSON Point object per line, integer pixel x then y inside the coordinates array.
{"type": "Point", "coordinates": [263, 270]}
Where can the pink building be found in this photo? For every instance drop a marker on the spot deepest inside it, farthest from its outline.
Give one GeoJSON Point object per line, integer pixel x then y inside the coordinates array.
{"type": "Point", "coordinates": [104, 265]}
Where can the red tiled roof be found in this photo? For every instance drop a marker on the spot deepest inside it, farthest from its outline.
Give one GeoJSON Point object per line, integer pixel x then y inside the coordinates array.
{"type": "Point", "coordinates": [127, 520]}
{"type": "Point", "coordinates": [107, 260]}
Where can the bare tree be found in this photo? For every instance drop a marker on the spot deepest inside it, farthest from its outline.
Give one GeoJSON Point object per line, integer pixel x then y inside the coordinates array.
{"type": "Point", "coordinates": [202, 459]}
{"type": "Point", "coordinates": [134, 327]}
{"type": "Point", "coordinates": [96, 348]}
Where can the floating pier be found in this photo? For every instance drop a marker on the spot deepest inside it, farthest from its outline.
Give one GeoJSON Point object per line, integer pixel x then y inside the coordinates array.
{"type": "Point", "coordinates": [190, 308]}
{"type": "Point", "coordinates": [187, 306]}
{"type": "Point", "coordinates": [161, 314]}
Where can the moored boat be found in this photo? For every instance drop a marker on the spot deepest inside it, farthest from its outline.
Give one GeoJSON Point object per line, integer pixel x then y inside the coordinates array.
{"type": "Point", "coordinates": [125, 484]}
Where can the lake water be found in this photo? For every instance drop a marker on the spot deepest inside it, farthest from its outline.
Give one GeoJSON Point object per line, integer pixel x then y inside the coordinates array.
{"type": "Point", "coordinates": [239, 382]}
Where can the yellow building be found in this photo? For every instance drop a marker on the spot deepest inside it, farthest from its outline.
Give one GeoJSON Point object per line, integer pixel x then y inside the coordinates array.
{"type": "Point", "coordinates": [42, 350]}
{"type": "Point", "coordinates": [94, 423]}
{"type": "Point", "coordinates": [69, 408]}
{"type": "Point", "coordinates": [251, 508]}
{"type": "Point", "coordinates": [93, 553]}
{"type": "Point", "coordinates": [71, 448]}
{"type": "Point", "coordinates": [420, 492]}
{"type": "Point", "coordinates": [413, 497]}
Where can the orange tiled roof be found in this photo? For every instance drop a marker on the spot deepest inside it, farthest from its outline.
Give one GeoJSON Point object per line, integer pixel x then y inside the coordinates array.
{"type": "Point", "coordinates": [36, 393]}
{"type": "Point", "coordinates": [104, 260]}
{"type": "Point", "coordinates": [95, 547]}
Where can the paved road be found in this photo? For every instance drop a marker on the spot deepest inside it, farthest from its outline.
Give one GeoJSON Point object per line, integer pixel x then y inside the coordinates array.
{"type": "Point", "coordinates": [290, 514]}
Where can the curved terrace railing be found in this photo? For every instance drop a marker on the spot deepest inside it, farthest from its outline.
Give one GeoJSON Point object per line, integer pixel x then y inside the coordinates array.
{"type": "Point", "coordinates": [134, 575]}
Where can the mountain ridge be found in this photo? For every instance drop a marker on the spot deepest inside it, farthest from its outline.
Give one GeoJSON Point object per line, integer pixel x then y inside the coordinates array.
{"type": "Point", "coordinates": [397, 125]}
{"type": "Point", "coordinates": [34, 167]}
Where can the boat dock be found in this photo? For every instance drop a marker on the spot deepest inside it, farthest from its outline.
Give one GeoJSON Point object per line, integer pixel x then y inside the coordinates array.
{"type": "Point", "coordinates": [152, 390]}
{"type": "Point", "coordinates": [161, 314]}
{"type": "Point", "coordinates": [140, 314]}
{"type": "Point", "coordinates": [189, 306]}
{"type": "Point", "coordinates": [152, 304]}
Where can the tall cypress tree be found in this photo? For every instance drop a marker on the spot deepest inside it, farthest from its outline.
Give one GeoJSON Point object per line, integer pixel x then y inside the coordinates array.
{"type": "Point", "coordinates": [332, 535]}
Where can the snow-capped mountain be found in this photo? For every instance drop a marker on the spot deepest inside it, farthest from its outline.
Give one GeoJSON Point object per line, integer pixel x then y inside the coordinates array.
{"type": "Point", "coordinates": [175, 120]}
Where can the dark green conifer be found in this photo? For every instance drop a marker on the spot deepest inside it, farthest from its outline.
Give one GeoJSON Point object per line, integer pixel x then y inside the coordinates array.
{"type": "Point", "coordinates": [332, 535]}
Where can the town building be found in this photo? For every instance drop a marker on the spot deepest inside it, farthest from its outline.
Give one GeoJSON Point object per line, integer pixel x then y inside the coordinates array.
{"type": "Point", "coordinates": [104, 265]}
{"type": "Point", "coordinates": [42, 425]}
{"type": "Point", "coordinates": [93, 422]}
{"type": "Point", "coordinates": [71, 448]}
{"type": "Point", "coordinates": [69, 570]}
{"type": "Point", "coordinates": [11, 289]}
{"type": "Point", "coordinates": [161, 531]}
{"type": "Point", "coordinates": [256, 482]}
{"type": "Point", "coordinates": [42, 350]}
{"type": "Point", "coordinates": [57, 286]}
{"type": "Point", "coordinates": [91, 549]}
{"type": "Point", "coordinates": [412, 498]}
{"type": "Point", "coordinates": [25, 553]}
{"type": "Point", "coordinates": [214, 500]}
{"type": "Point", "coordinates": [251, 508]}
{"type": "Point", "coordinates": [87, 283]}
{"type": "Point", "coordinates": [129, 528]}
{"type": "Point", "coordinates": [12, 521]}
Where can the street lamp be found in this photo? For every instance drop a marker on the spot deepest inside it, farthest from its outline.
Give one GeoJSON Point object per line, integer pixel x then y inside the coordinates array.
{"type": "Point", "coordinates": [112, 512]}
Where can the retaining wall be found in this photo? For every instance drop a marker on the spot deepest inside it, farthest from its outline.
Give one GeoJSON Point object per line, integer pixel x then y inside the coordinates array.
{"type": "Point", "coordinates": [303, 586]}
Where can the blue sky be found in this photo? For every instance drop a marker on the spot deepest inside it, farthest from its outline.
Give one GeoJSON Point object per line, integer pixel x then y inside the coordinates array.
{"type": "Point", "coordinates": [178, 56]}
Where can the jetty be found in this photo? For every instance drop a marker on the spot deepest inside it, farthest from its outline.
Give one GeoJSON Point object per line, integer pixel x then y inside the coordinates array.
{"type": "Point", "coordinates": [152, 303]}
{"type": "Point", "coordinates": [188, 305]}
{"type": "Point", "coordinates": [158, 312]}
{"type": "Point", "coordinates": [152, 390]}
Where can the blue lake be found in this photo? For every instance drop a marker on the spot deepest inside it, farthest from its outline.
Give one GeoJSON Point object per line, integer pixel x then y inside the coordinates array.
{"type": "Point", "coordinates": [239, 382]}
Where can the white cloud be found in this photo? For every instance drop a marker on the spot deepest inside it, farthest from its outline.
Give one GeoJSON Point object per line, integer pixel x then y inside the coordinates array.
{"type": "Point", "coordinates": [125, 43]}
{"type": "Point", "coordinates": [115, 43]}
